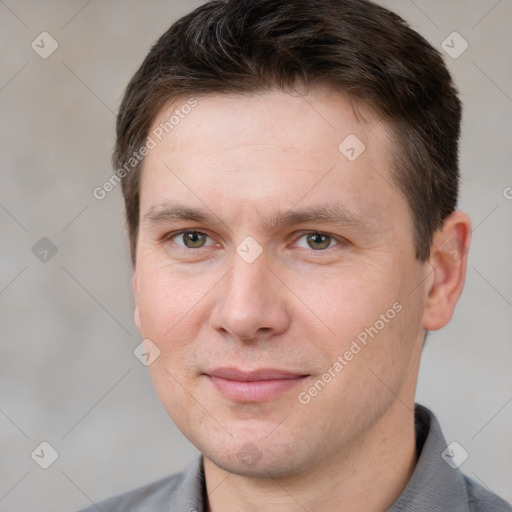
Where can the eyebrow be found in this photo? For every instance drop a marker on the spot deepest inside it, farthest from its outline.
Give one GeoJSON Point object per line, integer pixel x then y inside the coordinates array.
{"type": "Point", "coordinates": [329, 214]}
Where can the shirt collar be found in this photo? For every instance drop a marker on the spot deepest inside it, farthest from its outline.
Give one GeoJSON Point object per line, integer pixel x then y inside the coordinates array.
{"type": "Point", "coordinates": [434, 484]}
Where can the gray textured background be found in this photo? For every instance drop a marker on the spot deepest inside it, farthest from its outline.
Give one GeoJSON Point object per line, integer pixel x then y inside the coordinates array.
{"type": "Point", "coordinates": [68, 375]}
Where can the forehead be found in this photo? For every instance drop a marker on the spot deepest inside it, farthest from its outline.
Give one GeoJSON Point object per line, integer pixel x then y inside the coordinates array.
{"type": "Point", "coordinates": [269, 150]}
{"type": "Point", "coordinates": [322, 115]}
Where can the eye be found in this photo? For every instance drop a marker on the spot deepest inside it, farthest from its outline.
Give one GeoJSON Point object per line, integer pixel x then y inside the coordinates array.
{"type": "Point", "coordinates": [316, 241]}
{"type": "Point", "coordinates": [191, 239]}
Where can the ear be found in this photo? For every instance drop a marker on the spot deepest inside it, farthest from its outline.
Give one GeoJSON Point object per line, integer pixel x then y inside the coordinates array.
{"type": "Point", "coordinates": [136, 296]}
{"type": "Point", "coordinates": [448, 261]}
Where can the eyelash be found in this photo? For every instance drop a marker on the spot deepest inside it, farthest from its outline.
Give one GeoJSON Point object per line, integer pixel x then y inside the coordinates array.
{"type": "Point", "coordinates": [339, 241]}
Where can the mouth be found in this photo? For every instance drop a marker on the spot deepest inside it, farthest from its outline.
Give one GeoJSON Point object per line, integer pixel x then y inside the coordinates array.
{"type": "Point", "coordinates": [253, 386]}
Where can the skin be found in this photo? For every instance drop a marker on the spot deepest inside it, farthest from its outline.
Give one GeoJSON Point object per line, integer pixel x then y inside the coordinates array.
{"type": "Point", "coordinates": [242, 158]}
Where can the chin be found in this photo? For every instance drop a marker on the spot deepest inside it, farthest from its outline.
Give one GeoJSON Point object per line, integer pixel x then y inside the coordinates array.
{"type": "Point", "coordinates": [258, 460]}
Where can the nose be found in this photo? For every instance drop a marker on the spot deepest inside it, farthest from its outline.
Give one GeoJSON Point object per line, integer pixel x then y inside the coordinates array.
{"type": "Point", "coordinates": [251, 302]}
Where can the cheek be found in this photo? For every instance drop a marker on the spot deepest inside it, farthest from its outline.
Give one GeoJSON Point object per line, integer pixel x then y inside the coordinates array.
{"type": "Point", "coordinates": [170, 313]}
{"type": "Point", "coordinates": [367, 319]}
{"type": "Point", "coordinates": [176, 393]}
{"type": "Point", "coordinates": [392, 334]}
{"type": "Point", "coordinates": [345, 302]}
{"type": "Point", "coordinates": [167, 302]}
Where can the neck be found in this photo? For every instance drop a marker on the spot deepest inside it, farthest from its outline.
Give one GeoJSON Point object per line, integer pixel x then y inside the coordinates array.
{"type": "Point", "coordinates": [369, 475]}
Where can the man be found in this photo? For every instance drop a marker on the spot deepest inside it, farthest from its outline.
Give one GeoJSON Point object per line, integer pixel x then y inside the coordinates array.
{"type": "Point", "coordinates": [290, 176]}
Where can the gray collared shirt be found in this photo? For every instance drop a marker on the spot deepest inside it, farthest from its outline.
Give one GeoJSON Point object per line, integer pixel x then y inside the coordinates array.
{"type": "Point", "coordinates": [434, 485]}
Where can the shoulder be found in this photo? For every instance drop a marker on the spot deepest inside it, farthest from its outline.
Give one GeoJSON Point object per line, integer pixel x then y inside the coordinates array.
{"type": "Point", "coordinates": [183, 491]}
{"type": "Point", "coordinates": [482, 500]}
{"type": "Point", "coordinates": [438, 485]}
{"type": "Point", "coordinates": [147, 497]}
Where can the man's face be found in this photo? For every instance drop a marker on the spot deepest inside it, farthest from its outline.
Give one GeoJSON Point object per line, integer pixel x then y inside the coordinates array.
{"type": "Point", "coordinates": [296, 248]}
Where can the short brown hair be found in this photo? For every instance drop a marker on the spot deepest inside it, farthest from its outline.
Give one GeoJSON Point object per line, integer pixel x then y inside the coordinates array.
{"type": "Point", "coordinates": [353, 46]}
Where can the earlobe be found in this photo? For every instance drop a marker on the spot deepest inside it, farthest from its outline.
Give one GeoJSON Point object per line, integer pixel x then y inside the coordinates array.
{"type": "Point", "coordinates": [448, 262]}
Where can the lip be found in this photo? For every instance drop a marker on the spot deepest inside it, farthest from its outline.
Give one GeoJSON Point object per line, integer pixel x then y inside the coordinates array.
{"type": "Point", "coordinates": [255, 385]}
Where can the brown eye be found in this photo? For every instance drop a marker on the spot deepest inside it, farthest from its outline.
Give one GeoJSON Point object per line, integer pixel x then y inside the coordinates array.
{"type": "Point", "coordinates": [191, 239]}
{"type": "Point", "coordinates": [318, 241]}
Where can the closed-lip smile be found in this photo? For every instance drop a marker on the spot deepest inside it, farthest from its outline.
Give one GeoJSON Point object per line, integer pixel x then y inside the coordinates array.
{"type": "Point", "coordinates": [258, 385]}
